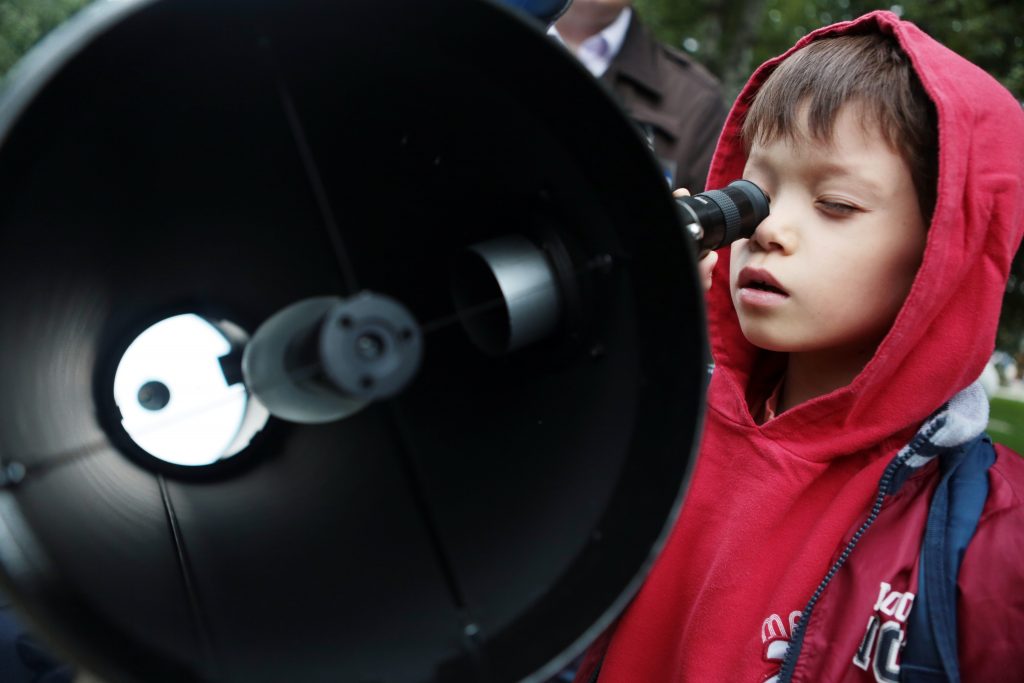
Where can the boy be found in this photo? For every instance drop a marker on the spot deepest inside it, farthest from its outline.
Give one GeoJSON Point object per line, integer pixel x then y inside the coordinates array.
{"type": "Point", "coordinates": [847, 333]}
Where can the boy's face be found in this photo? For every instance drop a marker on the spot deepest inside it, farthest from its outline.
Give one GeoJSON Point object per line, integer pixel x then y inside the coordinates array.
{"type": "Point", "coordinates": [830, 267]}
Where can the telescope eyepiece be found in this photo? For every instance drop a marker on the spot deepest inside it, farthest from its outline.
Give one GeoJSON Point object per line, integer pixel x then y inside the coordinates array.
{"type": "Point", "coordinates": [717, 218]}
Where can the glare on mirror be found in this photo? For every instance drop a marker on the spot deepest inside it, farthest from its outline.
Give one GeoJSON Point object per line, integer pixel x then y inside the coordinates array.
{"type": "Point", "coordinates": [175, 400]}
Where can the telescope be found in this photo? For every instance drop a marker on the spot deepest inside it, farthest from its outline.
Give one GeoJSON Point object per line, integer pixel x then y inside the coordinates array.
{"type": "Point", "coordinates": [341, 341]}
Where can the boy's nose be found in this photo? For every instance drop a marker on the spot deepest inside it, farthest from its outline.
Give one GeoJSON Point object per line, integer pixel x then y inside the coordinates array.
{"type": "Point", "coordinates": [775, 233]}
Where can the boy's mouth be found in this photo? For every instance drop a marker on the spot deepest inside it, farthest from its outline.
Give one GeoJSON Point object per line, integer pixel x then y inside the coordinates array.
{"type": "Point", "coordinates": [761, 280]}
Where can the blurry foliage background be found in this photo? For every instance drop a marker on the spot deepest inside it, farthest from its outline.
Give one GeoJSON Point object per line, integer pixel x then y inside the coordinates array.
{"type": "Point", "coordinates": [24, 22]}
{"type": "Point", "coordinates": [731, 37]}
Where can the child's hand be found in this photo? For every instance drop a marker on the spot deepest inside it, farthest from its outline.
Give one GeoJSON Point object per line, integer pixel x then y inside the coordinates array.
{"type": "Point", "coordinates": [707, 264]}
{"type": "Point", "coordinates": [705, 267]}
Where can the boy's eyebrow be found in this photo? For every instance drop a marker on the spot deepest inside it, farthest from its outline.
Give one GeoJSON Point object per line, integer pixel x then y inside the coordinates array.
{"type": "Point", "coordinates": [822, 168]}
{"type": "Point", "coordinates": [842, 171]}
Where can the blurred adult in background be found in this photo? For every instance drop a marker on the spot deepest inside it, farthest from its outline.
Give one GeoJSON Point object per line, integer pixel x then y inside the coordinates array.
{"type": "Point", "coordinates": [675, 100]}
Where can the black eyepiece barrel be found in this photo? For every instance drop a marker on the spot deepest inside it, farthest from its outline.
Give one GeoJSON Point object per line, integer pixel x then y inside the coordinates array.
{"type": "Point", "coordinates": [717, 218]}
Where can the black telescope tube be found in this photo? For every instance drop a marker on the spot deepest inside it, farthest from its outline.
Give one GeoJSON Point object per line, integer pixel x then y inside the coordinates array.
{"type": "Point", "coordinates": [717, 218]}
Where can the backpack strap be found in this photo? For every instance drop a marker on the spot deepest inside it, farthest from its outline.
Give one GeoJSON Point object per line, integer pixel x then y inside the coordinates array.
{"type": "Point", "coordinates": [931, 652]}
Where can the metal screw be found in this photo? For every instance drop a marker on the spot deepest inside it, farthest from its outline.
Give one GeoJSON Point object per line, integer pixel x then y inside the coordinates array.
{"type": "Point", "coordinates": [369, 346]}
{"type": "Point", "coordinates": [14, 473]}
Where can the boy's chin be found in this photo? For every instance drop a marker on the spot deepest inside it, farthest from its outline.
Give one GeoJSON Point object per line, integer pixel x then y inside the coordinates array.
{"type": "Point", "coordinates": [765, 339]}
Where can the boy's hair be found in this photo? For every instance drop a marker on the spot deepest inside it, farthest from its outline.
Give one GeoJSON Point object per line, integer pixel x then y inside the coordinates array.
{"type": "Point", "coordinates": [869, 69]}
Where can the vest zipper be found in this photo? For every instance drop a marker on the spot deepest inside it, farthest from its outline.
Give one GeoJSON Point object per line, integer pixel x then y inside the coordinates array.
{"type": "Point", "coordinates": [922, 439]}
{"type": "Point", "coordinates": [797, 638]}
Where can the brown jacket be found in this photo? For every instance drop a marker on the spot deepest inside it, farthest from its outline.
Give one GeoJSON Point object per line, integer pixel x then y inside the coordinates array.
{"type": "Point", "coordinates": [675, 96]}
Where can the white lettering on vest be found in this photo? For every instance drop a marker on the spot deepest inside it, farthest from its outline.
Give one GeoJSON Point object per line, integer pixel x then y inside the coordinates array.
{"type": "Point", "coordinates": [772, 628]}
{"type": "Point", "coordinates": [894, 604]}
{"type": "Point", "coordinates": [882, 640]}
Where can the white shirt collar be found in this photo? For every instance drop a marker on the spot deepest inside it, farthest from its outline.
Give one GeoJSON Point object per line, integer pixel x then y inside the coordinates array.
{"type": "Point", "coordinates": [598, 51]}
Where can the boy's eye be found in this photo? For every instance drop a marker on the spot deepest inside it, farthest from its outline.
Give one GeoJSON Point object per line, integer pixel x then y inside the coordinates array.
{"type": "Point", "coordinates": [837, 208]}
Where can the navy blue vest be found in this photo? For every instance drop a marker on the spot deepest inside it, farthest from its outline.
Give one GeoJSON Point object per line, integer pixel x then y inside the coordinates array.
{"type": "Point", "coordinates": [931, 653]}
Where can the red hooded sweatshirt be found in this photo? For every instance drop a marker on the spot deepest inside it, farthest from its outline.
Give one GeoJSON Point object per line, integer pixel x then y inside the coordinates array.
{"type": "Point", "coordinates": [771, 507]}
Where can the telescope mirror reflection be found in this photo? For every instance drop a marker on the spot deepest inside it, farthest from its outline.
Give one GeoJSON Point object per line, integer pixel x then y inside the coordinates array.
{"type": "Point", "coordinates": [318, 360]}
{"type": "Point", "coordinates": [175, 399]}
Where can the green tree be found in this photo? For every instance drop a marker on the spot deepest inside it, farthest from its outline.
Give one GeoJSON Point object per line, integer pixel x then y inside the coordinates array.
{"type": "Point", "coordinates": [24, 22]}
{"type": "Point", "coordinates": [731, 38]}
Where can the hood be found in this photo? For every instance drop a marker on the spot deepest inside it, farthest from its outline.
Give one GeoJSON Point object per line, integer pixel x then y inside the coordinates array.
{"type": "Point", "coordinates": [945, 331]}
